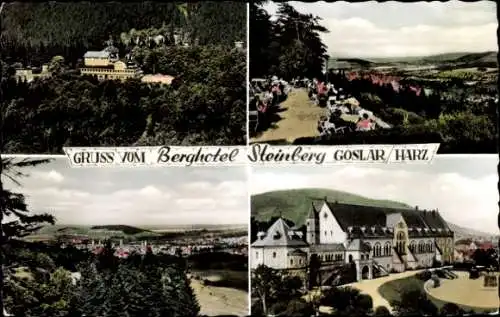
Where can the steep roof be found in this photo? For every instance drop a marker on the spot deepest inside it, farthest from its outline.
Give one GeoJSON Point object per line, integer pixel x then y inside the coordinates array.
{"type": "Point", "coordinates": [349, 215]}
{"type": "Point", "coordinates": [333, 247]}
{"type": "Point", "coordinates": [358, 245]}
{"type": "Point", "coordinates": [280, 234]}
{"type": "Point", "coordinates": [96, 54]}
{"type": "Point", "coordinates": [313, 212]}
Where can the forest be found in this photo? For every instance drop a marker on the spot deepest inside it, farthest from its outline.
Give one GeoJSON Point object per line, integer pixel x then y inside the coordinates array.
{"type": "Point", "coordinates": [287, 47]}
{"type": "Point", "coordinates": [205, 104]}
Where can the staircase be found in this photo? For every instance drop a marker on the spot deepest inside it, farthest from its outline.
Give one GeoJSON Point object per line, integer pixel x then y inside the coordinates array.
{"type": "Point", "coordinates": [329, 277]}
{"type": "Point", "coordinates": [379, 270]}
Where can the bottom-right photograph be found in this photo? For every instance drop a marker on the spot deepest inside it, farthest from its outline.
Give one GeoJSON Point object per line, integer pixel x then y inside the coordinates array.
{"type": "Point", "coordinates": [376, 239]}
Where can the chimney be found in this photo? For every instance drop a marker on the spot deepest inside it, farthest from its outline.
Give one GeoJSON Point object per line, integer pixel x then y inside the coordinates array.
{"type": "Point", "coordinates": [416, 207]}
{"type": "Point", "coordinates": [326, 199]}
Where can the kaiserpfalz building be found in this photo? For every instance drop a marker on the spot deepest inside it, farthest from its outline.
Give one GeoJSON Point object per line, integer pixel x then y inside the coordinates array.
{"type": "Point", "coordinates": [376, 241]}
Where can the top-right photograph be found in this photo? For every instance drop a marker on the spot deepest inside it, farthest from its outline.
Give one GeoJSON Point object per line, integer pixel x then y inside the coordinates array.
{"type": "Point", "coordinates": [374, 73]}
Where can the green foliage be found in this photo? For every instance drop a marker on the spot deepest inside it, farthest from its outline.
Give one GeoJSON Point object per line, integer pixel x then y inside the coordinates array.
{"type": "Point", "coordinates": [47, 295]}
{"type": "Point", "coordinates": [381, 311]}
{"type": "Point", "coordinates": [207, 105]}
{"type": "Point", "coordinates": [450, 309]}
{"type": "Point", "coordinates": [274, 290]}
{"type": "Point", "coordinates": [288, 47]}
{"type": "Point", "coordinates": [347, 301]}
{"type": "Point", "coordinates": [34, 32]}
{"type": "Point", "coordinates": [414, 302]}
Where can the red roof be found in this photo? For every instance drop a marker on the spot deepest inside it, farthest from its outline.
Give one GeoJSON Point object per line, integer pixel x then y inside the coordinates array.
{"type": "Point", "coordinates": [486, 246]}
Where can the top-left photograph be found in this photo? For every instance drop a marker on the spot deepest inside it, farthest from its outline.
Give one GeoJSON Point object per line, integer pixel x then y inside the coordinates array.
{"type": "Point", "coordinates": [121, 74]}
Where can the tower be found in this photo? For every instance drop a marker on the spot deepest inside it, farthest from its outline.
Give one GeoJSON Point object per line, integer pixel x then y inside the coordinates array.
{"type": "Point", "coordinates": [312, 227]}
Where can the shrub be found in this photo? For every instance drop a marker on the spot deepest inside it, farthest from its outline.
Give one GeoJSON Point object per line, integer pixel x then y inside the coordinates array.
{"type": "Point", "coordinates": [381, 311]}
{"type": "Point", "coordinates": [424, 276]}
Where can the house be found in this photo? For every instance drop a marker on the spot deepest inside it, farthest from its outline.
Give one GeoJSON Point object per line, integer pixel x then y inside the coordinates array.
{"type": "Point", "coordinates": [103, 65]}
{"type": "Point", "coordinates": [377, 241]}
{"type": "Point", "coordinates": [29, 74]}
{"type": "Point", "coordinates": [158, 78]}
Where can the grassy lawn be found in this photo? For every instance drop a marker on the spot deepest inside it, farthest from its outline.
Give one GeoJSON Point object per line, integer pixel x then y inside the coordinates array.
{"type": "Point", "coordinates": [392, 291]}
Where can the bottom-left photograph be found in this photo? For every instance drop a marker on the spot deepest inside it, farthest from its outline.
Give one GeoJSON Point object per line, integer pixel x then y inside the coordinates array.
{"type": "Point", "coordinates": [122, 241]}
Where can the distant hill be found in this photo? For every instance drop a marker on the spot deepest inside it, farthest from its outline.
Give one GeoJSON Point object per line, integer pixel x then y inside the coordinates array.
{"type": "Point", "coordinates": [129, 230]}
{"type": "Point", "coordinates": [348, 63]}
{"type": "Point", "coordinates": [465, 233]}
{"type": "Point", "coordinates": [470, 59]}
{"type": "Point", "coordinates": [295, 204]}
{"type": "Point", "coordinates": [93, 230]}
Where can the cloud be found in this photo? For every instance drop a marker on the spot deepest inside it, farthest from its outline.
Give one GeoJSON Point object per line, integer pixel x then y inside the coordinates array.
{"type": "Point", "coordinates": [393, 29]}
{"type": "Point", "coordinates": [464, 200]}
{"type": "Point", "coordinates": [51, 176]}
{"type": "Point", "coordinates": [108, 196]}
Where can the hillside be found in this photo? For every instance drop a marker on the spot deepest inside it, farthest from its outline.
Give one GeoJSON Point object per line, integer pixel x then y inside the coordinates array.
{"type": "Point", "coordinates": [464, 233]}
{"type": "Point", "coordinates": [295, 204]}
{"type": "Point", "coordinates": [125, 230]}
{"type": "Point", "coordinates": [467, 59]}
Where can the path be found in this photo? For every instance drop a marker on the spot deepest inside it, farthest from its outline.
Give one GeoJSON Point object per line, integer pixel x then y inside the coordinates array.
{"type": "Point", "coordinates": [300, 119]}
{"type": "Point", "coordinates": [370, 287]}
{"type": "Point", "coordinates": [220, 300]}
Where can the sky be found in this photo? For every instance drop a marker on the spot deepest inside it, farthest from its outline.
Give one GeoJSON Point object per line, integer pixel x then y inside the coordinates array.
{"type": "Point", "coordinates": [464, 189]}
{"type": "Point", "coordinates": [136, 196]}
{"type": "Point", "coordinates": [394, 29]}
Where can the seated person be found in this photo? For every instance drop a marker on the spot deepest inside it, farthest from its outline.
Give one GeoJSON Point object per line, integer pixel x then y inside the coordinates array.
{"type": "Point", "coordinates": [336, 119]}
{"type": "Point", "coordinates": [364, 124]}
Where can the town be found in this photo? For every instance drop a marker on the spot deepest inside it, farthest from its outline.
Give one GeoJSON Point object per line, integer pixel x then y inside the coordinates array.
{"type": "Point", "coordinates": [192, 243]}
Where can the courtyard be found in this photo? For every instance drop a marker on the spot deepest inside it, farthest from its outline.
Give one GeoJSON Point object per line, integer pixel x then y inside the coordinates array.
{"type": "Point", "coordinates": [466, 293]}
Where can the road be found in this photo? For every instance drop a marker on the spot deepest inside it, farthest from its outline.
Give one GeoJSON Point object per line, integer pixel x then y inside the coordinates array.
{"type": "Point", "coordinates": [370, 287]}
{"type": "Point", "coordinates": [298, 119]}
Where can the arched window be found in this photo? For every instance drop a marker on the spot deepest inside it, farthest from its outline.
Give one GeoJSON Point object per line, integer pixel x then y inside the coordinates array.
{"type": "Point", "coordinates": [413, 246]}
{"type": "Point", "coordinates": [431, 249]}
{"type": "Point", "coordinates": [421, 247]}
{"type": "Point", "coordinates": [274, 254]}
{"type": "Point", "coordinates": [401, 242]}
{"type": "Point", "coordinates": [388, 248]}
{"type": "Point", "coordinates": [377, 250]}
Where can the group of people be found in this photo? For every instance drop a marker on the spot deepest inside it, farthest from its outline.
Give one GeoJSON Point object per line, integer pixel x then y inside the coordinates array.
{"type": "Point", "coordinates": [265, 95]}
{"type": "Point", "coordinates": [339, 102]}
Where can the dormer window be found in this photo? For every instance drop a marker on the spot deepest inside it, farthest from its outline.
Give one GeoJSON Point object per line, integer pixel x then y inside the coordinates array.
{"type": "Point", "coordinates": [325, 215]}
{"type": "Point", "coordinates": [277, 235]}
